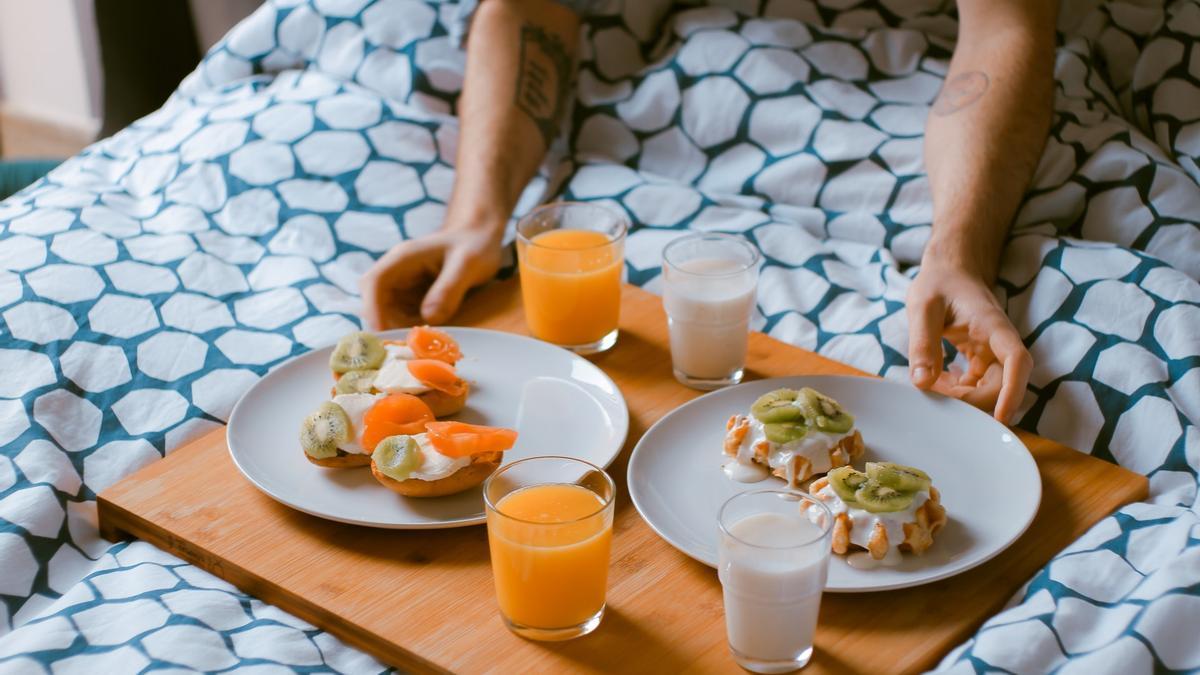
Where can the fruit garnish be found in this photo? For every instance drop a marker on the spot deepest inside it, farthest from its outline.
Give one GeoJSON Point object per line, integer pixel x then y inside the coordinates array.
{"type": "Point", "coordinates": [824, 413]}
{"type": "Point", "coordinates": [394, 415]}
{"type": "Point", "coordinates": [322, 431]}
{"type": "Point", "coordinates": [355, 382]}
{"type": "Point", "coordinates": [777, 406]}
{"type": "Point", "coordinates": [357, 351]}
{"type": "Point", "coordinates": [845, 481]}
{"type": "Point", "coordinates": [430, 343]}
{"type": "Point", "coordinates": [878, 498]}
{"type": "Point", "coordinates": [459, 439]}
{"type": "Point", "coordinates": [437, 375]}
{"type": "Point", "coordinates": [398, 456]}
{"type": "Point", "coordinates": [784, 432]}
{"type": "Point", "coordinates": [898, 476]}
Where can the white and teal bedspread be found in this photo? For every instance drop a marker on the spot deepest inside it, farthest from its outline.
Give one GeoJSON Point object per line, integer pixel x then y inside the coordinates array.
{"type": "Point", "coordinates": [152, 279]}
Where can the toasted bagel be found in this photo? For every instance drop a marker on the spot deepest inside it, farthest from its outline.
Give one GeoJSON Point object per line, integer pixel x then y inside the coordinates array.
{"type": "Point", "coordinates": [443, 404]}
{"type": "Point", "coordinates": [469, 476]}
{"type": "Point", "coordinates": [343, 460]}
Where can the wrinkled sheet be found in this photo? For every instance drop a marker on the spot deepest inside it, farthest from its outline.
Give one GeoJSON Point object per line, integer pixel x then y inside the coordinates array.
{"type": "Point", "coordinates": [149, 281]}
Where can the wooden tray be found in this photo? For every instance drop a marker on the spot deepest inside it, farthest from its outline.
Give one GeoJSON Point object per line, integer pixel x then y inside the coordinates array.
{"type": "Point", "coordinates": [423, 600]}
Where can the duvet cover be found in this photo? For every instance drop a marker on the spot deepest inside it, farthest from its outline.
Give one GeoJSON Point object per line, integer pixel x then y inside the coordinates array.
{"type": "Point", "coordinates": [148, 282]}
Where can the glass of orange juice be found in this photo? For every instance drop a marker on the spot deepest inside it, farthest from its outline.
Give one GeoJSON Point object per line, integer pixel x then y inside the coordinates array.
{"type": "Point", "coordinates": [549, 522]}
{"type": "Point", "coordinates": [571, 255]}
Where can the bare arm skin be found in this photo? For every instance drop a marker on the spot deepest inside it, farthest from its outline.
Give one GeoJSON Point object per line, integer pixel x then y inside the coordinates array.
{"type": "Point", "coordinates": [519, 61]}
{"type": "Point", "coordinates": [983, 139]}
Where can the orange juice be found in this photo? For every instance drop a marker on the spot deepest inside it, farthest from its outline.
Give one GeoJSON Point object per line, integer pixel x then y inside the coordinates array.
{"type": "Point", "coordinates": [550, 548]}
{"type": "Point", "coordinates": [571, 285]}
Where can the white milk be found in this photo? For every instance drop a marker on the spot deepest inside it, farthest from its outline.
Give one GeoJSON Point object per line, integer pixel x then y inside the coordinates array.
{"type": "Point", "coordinates": [772, 596]}
{"type": "Point", "coordinates": [709, 316]}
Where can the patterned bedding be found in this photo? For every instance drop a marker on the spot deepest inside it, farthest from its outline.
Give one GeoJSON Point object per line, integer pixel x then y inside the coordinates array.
{"type": "Point", "coordinates": [149, 281]}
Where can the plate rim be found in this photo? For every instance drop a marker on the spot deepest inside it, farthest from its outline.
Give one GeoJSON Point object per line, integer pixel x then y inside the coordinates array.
{"type": "Point", "coordinates": [622, 426]}
{"type": "Point", "coordinates": [633, 492]}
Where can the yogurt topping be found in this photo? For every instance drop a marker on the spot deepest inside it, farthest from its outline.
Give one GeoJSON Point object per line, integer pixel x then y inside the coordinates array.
{"type": "Point", "coordinates": [394, 376]}
{"type": "Point", "coordinates": [436, 465]}
{"type": "Point", "coordinates": [813, 446]}
{"type": "Point", "coordinates": [401, 352]}
{"type": "Point", "coordinates": [864, 521]}
{"type": "Point", "coordinates": [356, 407]}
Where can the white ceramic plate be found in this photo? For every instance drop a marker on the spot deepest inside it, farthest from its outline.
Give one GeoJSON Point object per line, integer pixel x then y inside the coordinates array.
{"type": "Point", "coordinates": [989, 483]}
{"type": "Point", "coordinates": [559, 403]}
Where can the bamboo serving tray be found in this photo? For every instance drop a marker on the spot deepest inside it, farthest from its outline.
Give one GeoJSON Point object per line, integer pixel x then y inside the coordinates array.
{"type": "Point", "coordinates": [423, 600]}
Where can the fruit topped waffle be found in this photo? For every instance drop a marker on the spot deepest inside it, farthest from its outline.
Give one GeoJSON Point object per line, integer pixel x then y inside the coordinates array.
{"type": "Point", "coordinates": [887, 510]}
{"type": "Point", "coordinates": [793, 434]}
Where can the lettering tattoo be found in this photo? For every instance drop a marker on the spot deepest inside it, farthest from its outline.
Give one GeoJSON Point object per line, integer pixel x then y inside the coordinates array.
{"type": "Point", "coordinates": [961, 91]}
{"type": "Point", "coordinates": [545, 72]}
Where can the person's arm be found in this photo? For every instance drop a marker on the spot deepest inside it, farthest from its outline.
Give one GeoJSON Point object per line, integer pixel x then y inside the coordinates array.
{"type": "Point", "coordinates": [520, 56]}
{"type": "Point", "coordinates": [983, 139]}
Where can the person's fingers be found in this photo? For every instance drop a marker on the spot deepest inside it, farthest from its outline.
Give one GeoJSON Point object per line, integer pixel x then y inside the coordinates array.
{"type": "Point", "coordinates": [1010, 351]}
{"type": "Point", "coordinates": [983, 393]}
{"type": "Point", "coordinates": [368, 286]}
{"type": "Point", "coordinates": [926, 319]}
{"type": "Point", "coordinates": [447, 291]}
{"type": "Point", "coordinates": [392, 287]}
{"type": "Point", "coordinates": [978, 362]}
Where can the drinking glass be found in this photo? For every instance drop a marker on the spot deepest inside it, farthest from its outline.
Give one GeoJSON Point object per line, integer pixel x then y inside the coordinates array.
{"type": "Point", "coordinates": [571, 255]}
{"type": "Point", "coordinates": [709, 284]}
{"type": "Point", "coordinates": [773, 560]}
{"type": "Point", "coordinates": [549, 522]}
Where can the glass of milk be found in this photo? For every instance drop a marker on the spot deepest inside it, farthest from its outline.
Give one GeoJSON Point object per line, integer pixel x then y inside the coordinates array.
{"type": "Point", "coordinates": [709, 283]}
{"type": "Point", "coordinates": [773, 559]}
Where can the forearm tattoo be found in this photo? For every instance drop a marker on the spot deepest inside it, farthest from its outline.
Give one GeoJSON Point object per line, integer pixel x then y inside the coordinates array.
{"type": "Point", "coordinates": [961, 91]}
{"type": "Point", "coordinates": [543, 79]}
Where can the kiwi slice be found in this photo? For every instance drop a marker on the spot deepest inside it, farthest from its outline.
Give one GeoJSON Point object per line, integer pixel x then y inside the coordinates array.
{"type": "Point", "coordinates": [777, 406]}
{"type": "Point", "coordinates": [357, 351]}
{"type": "Point", "coordinates": [397, 456]}
{"type": "Point", "coordinates": [846, 481]}
{"type": "Point", "coordinates": [898, 476]}
{"type": "Point", "coordinates": [356, 382]}
{"type": "Point", "coordinates": [824, 412]}
{"type": "Point", "coordinates": [322, 431]}
{"type": "Point", "coordinates": [878, 498]}
{"type": "Point", "coordinates": [784, 432]}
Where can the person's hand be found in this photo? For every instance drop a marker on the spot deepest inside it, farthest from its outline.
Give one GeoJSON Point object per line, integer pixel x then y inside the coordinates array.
{"type": "Point", "coordinates": [951, 302]}
{"type": "Point", "coordinates": [425, 279]}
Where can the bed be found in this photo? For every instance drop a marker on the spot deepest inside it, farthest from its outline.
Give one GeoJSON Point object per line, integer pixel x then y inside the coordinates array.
{"type": "Point", "coordinates": [150, 280]}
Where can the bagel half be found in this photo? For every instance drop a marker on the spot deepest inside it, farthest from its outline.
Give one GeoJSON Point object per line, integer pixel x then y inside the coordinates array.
{"type": "Point", "coordinates": [439, 402]}
{"type": "Point", "coordinates": [469, 476]}
{"type": "Point", "coordinates": [343, 460]}
{"type": "Point", "coordinates": [443, 404]}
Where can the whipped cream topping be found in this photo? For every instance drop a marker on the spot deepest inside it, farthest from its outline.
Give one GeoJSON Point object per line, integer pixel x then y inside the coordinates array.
{"type": "Point", "coordinates": [356, 407]}
{"type": "Point", "coordinates": [813, 446]}
{"type": "Point", "coordinates": [864, 521]}
{"type": "Point", "coordinates": [394, 376]}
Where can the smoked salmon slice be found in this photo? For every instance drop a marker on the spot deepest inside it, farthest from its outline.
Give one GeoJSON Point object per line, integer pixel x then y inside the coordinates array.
{"type": "Point", "coordinates": [396, 415]}
{"type": "Point", "coordinates": [437, 375]}
{"type": "Point", "coordinates": [459, 439]}
{"type": "Point", "coordinates": [430, 343]}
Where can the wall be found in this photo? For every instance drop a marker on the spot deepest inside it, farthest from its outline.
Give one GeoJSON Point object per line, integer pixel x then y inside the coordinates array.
{"type": "Point", "coordinates": [49, 77]}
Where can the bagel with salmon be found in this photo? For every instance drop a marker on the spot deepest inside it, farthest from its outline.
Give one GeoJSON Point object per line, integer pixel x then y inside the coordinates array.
{"type": "Point", "coordinates": [423, 365]}
{"type": "Point", "coordinates": [343, 432]}
{"type": "Point", "coordinates": [448, 458]}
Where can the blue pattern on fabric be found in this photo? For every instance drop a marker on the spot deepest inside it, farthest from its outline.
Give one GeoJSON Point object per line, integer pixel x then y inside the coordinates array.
{"type": "Point", "coordinates": [146, 283]}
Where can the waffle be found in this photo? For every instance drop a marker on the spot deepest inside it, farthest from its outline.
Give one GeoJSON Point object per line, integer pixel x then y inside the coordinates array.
{"type": "Point", "coordinates": [799, 468]}
{"type": "Point", "coordinates": [918, 533]}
